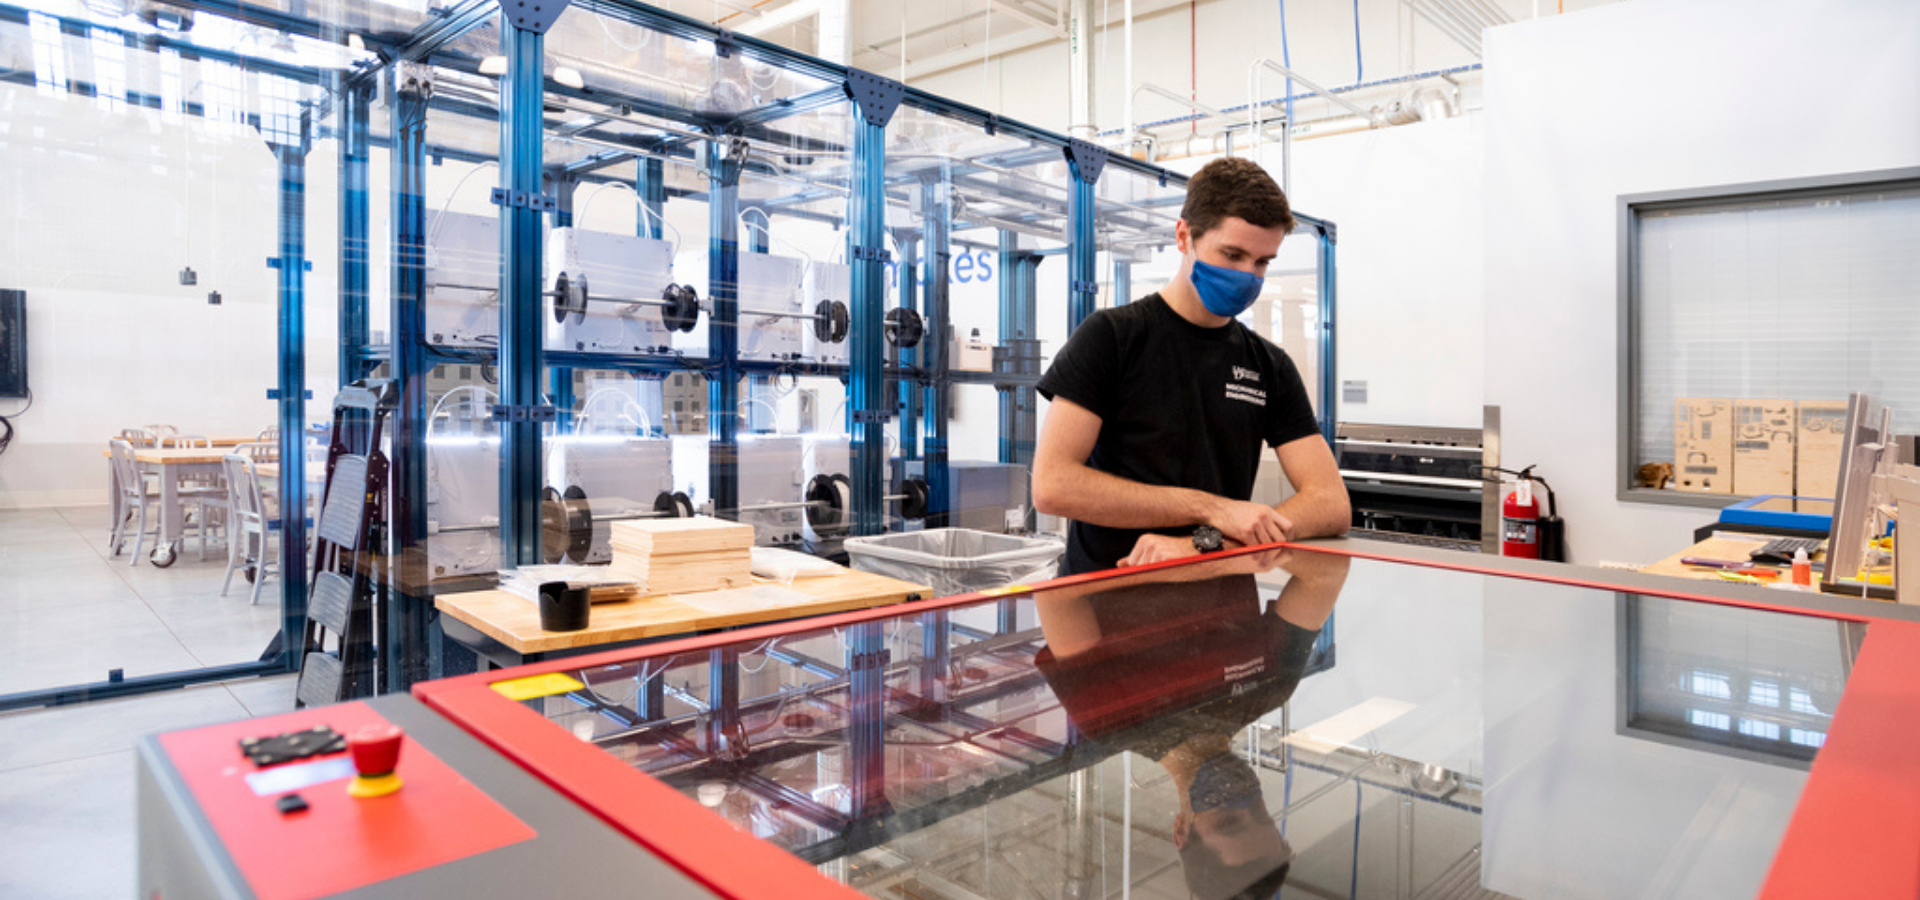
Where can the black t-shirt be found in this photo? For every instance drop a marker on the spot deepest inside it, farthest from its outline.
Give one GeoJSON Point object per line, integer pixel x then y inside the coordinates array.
{"type": "Point", "coordinates": [1176, 660]}
{"type": "Point", "coordinates": [1180, 405]}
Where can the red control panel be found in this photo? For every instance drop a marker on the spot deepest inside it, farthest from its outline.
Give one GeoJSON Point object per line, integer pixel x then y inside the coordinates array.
{"type": "Point", "coordinates": [335, 841]}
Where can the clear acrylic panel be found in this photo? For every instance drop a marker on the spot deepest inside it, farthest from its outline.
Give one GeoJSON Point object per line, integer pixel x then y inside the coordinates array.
{"type": "Point", "coordinates": [652, 195]}
{"type": "Point", "coordinates": [157, 162]}
{"type": "Point", "coordinates": [1195, 731]}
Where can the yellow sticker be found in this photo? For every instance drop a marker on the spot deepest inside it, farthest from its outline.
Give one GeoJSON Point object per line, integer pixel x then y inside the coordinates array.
{"type": "Point", "coordinates": [534, 686]}
{"type": "Point", "coordinates": [1002, 591]}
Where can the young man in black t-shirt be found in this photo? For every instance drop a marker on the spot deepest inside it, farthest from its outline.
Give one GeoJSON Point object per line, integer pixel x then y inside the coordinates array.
{"type": "Point", "coordinates": [1160, 407]}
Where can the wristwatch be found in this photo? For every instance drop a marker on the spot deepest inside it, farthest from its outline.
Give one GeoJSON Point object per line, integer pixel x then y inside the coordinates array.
{"type": "Point", "coordinates": [1207, 539]}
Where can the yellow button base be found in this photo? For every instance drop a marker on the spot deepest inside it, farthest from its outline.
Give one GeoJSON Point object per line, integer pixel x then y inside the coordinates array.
{"type": "Point", "coordinates": [375, 786]}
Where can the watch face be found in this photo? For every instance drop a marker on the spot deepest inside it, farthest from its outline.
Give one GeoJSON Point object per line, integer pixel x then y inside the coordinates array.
{"type": "Point", "coordinates": [1207, 539]}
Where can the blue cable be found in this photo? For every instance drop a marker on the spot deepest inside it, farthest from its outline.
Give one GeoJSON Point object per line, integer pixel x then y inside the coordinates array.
{"type": "Point", "coordinates": [1286, 59]}
{"type": "Point", "coordinates": [1359, 67]}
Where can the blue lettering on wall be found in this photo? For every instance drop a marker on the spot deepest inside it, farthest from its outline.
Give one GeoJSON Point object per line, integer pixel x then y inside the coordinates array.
{"type": "Point", "coordinates": [966, 268]}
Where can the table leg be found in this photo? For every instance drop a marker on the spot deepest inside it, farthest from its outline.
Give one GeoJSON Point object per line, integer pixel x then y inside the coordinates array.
{"type": "Point", "coordinates": [113, 502]}
{"type": "Point", "coordinates": [171, 524]}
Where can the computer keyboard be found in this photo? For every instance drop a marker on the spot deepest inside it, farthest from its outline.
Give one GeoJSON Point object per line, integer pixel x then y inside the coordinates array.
{"type": "Point", "coordinates": [1779, 551]}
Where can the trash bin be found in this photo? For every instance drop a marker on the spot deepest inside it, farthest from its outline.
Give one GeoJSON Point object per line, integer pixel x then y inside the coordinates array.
{"type": "Point", "coordinates": [957, 560]}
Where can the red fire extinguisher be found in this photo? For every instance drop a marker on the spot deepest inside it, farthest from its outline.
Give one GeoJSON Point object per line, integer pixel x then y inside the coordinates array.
{"type": "Point", "coordinates": [1520, 522]}
{"type": "Point", "coordinates": [1524, 532]}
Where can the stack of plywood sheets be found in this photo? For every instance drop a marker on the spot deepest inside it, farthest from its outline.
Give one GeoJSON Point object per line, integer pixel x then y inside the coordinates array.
{"type": "Point", "coordinates": [676, 556]}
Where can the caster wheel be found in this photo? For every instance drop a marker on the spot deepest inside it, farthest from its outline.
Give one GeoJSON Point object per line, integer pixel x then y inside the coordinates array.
{"type": "Point", "coordinates": [164, 556]}
{"type": "Point", "coordinates": [249, 574]}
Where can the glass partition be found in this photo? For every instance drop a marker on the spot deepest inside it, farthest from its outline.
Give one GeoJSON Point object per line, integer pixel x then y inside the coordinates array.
{"type": "Point", "coordinates": [978, 215]}
{"type": "Point", "coordinates": [293, 200]}
{"type": "Point", "coordinates": [1201, 729]}
{"type": "Point", "coordinates": [161, 166]}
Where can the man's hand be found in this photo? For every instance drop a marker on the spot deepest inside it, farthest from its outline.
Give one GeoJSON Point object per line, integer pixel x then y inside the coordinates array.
{"type": "Point", "coordinates": [1152, 548]}
{"type": "Point", "coordinates": [1250, 523]}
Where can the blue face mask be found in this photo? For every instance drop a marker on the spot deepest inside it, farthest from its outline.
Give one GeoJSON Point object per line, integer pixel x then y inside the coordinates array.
{"type": "Point", "coordinates": [1224, 782]}
{"type": "Point", "coordinates": [1225, 292]}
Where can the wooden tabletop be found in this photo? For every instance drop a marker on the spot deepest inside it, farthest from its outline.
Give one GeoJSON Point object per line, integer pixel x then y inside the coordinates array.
{"type": "Point", "coordinates": [161, 456]}
{"type": "Point", "coordinates": [1724, 545]}
{"type": "Point", "coordinates": [218, 440]}
{"type": "Point", "coordinates": [514, 620]}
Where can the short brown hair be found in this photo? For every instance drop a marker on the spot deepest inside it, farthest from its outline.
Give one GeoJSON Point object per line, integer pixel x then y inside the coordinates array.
{"type": "Point", "coordinates": [1234, 187]}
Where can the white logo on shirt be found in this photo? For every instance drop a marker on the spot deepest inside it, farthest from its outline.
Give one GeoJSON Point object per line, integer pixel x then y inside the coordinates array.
{"type": "Point", "coordinates": [1245, 374]}
{"type": "Point", "coordinates": [1246, 394]}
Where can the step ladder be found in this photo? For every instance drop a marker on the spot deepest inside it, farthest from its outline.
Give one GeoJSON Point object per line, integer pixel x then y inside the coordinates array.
{"type": "Point", "coordinates": [336, 643]}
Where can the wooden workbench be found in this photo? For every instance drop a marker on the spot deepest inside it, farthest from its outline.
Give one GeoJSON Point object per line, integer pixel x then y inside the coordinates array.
{"type": "Point", "coordinates": [505, 627]}
{"type": "Point", "coordinates": [1727, 545]}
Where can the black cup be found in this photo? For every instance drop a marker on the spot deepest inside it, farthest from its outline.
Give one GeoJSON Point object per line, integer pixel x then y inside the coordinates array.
{"type": "Point", "coordinates": [563, 608]}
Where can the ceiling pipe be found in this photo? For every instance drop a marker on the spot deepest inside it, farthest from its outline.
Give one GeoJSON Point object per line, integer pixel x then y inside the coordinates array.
{"type": "Point", "coordinates": [790, 14]}
{"type": "Point", "coordinates": [1206, 112]}
{"type": "Point", "coordinates": [1254, 105]}
{"type": "Point", "coordinates": [1443, 21]}
{"type": "Point", "coordinates": [1127, 76]}
{"type": "Point", "coordinates": [1080, 111]}
{"type": "Point", "coordinates": [1494, 15]}
{"type": "Point", "coordinates": [935, 28]}
{"type": "Point", "coordinates": [1056, 27]}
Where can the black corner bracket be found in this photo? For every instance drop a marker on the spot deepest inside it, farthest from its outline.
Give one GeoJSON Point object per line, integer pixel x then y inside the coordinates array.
{"type": "Point", "coordinates": [1087, 159]}
{"type": "Point", "coordinates": [533, 15]}
{"type": "Point", "coordinates": [876, 97]}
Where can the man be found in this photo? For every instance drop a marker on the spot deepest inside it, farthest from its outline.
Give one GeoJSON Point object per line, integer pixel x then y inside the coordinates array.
{"type": "Point", "coordinates": [1160, 407]}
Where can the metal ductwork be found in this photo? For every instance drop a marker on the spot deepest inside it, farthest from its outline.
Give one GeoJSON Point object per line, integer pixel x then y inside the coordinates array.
{"type": "Point", "coordinates": [1080, 112]}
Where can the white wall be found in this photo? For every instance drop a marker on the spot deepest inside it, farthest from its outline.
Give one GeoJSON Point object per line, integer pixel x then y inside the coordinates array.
{"type": "Point", "coordinates": [1713, 92]}
{"type": "Point", "coordinates": [104, 206]}
{"type": "Point", "coordinates": [1407, 202]}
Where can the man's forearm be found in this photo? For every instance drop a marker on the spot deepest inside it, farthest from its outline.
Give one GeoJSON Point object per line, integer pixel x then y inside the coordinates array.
{"type": "Point", "coordinates": [1322, 513]}
{"type": "Point", "coordinates": [1085, 494]}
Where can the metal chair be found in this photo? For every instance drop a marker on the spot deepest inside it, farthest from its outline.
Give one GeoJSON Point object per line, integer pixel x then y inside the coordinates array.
{"type": "Point", "coordinates": [250, 525]}
{"type": "Point", "coordinates": [130, 494]}
{"type": "Point", "coordinates": [204, 494]}
{"type": "Point", "coordinates": [259, 451]}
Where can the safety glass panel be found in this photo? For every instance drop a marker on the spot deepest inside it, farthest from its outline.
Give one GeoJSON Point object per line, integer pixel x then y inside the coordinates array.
{"type": "Point", "coordinates": [1202, 730]}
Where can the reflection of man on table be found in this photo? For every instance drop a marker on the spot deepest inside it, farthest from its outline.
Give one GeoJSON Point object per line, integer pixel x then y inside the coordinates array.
{"type": "Point", "coordinates": [1172, 664]}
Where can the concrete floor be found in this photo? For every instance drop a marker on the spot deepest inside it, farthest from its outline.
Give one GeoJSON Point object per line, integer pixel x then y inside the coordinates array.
{"type": "Point", "coordinates": [70, 612]}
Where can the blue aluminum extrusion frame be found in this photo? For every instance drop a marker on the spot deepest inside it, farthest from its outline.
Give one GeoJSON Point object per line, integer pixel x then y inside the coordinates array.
{"type": "Point", "coordinates": [521, 294]}
{"type": "Point", "coordinates": [356, 109]}
{"type": "Point", "coordinates": [937, 203]}
{"type": "Point", "coordinates": [1082, 209]}
{"type": "Point", "coordinates": [1019, 317]}
{"type": "Point", "coordinates": [291, 264]}
{"type": "Point", "coordinates": [866, 389]}
{"type": "Point", "coordinates": [911, 402]}
{"type": "Point", "coordinates": [650, 187]}
{"type": "Point", "coordinates": [409, 362]}
{"type": "Point", "coordinates": [724, 161]}
{"type": "Point", "coordinates": [1329, 368]}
